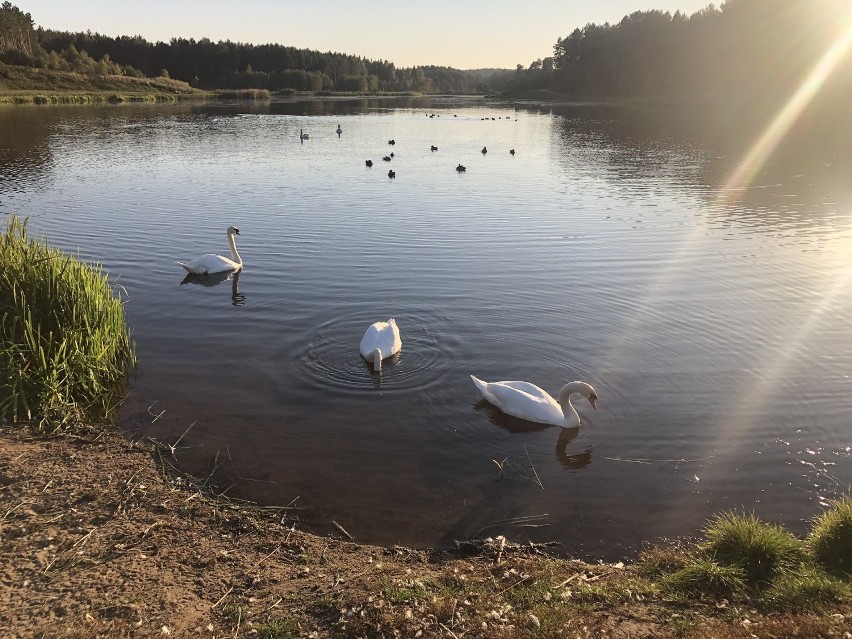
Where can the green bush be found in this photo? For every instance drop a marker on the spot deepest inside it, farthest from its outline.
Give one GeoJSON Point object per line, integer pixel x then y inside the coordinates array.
{"type": "Point", "coordinates": [830, 541]}
{"type": "Point", "coordinates": [65, 349]}
{"type": "Point", "coordinates": [761, 549]}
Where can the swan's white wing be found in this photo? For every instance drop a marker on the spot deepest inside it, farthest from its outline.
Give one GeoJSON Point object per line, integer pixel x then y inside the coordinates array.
{"type": "Point", "coordinates": [529, 389]}
{"type": "Point", "coordinates": [209, 263]}
{"type": "Point", "coordinates": [526, 401]}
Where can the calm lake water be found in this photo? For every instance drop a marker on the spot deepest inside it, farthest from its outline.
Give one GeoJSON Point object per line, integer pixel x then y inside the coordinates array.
{"type": "Point", "coordinates": [715, 323]}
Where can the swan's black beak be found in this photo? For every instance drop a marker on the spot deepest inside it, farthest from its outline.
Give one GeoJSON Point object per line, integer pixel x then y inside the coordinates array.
{"type": "Point", "coordinates": [593, 400]}
{"type": "Point", "coordinates": [237, 231]}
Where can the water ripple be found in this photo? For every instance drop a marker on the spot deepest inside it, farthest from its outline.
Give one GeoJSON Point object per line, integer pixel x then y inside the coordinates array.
{"type": "Point", "coordinates": [330, 356]}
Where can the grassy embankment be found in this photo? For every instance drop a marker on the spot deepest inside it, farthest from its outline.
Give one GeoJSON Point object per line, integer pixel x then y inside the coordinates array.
{"type": "Point", "coordinates": [64, 354]}
{"type": "Point", "coordinates": [25, 85]}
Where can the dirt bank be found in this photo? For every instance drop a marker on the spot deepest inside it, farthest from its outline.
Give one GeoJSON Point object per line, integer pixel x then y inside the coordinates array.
{"type": "Point", "coordinates": [98, 542]}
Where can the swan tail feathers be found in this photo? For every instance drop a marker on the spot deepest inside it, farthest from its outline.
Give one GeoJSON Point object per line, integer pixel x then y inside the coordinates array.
{"type": "Point", "coordinates": [479, 384]}
{"type": "Point", "coordinates": [185, 266]}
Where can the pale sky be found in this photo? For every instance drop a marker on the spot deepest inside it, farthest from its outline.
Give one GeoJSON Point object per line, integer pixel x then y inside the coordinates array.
{"type": "Point", "coordinates": [465, 34]}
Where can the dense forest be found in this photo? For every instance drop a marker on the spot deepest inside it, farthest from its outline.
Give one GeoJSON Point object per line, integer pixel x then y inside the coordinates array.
{"type": "Point", "coordinates": [742, 50]}
{"type": "Point", "coordinates": [223, 65]}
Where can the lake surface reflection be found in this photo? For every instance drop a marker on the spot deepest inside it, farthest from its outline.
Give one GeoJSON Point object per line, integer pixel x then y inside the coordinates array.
{"type": "Point", "coordinates": [714, 323]}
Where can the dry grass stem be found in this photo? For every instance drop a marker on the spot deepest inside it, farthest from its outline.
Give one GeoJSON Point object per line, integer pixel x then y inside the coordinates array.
{"type": "Point", "coordinates": [343, 530]}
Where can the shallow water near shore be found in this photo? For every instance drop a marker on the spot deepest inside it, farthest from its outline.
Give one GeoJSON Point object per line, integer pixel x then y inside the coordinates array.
{"type": "Point", "coordinates": [713, 322]}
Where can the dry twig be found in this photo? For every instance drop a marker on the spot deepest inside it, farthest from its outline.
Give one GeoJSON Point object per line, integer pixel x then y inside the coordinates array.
{"type": "Point", "coordinates": [343, 530]}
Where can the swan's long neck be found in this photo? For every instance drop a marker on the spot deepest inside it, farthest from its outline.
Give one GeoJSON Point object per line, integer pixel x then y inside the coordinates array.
{"type": "Point", "coordinates": [572, 417]}
{"type": "Point", "coordinates": [233, 243]}
{"type": "Point", "coordinates": [377, 360]}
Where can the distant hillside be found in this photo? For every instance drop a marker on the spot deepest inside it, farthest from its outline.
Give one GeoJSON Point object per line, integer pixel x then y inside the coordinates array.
{"type": "Point", "coordinates": [219, 65]}
{"type": "Point", "coordinates": [26, 84]}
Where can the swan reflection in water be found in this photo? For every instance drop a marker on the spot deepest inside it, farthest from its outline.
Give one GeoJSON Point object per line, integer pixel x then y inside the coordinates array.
{"type": "Point", "coordinates": [376, 375]}
{"type": "Point", "coordinates": [237, 298]}
{"type": "Point", "coordinates": [571, 460]}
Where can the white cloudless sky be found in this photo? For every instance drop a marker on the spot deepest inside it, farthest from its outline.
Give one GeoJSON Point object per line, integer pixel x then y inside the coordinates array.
{"type": "Point", "coordinates": [465, 34]}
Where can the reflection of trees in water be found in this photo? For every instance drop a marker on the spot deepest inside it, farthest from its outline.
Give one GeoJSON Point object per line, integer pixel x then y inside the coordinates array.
{"type": "Point", "coordinates": [348, 106]}
{"type": "Point", "coordinates": [803, 183]}
{"type": "Point", "coordinates": [25, 156]}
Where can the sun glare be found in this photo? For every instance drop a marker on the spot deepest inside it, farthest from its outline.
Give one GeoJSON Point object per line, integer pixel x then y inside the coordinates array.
{"type": "Point", "coordinates": [762, 149]}
{"type": "Point", "coordinates": [776, 363]}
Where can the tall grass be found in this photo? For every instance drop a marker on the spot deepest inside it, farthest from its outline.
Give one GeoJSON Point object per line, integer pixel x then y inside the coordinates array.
{"type": "Point", "coordinates": [105, 97]}
{"type": "Point", "coordinates": [65, 348]}
{"type": "Point", "coordinates": [243, 94]}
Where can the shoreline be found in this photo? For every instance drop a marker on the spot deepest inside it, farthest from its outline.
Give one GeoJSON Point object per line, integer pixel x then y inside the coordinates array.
{"type": "Point", "coordinates": [101, 536]}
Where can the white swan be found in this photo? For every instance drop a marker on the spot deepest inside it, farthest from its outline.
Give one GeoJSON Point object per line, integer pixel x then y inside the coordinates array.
{"type": "Point", "coordinates": [380, 342]}
{"type": "Point", "coordinates": [528, 401]}
{"type": "Point", "coordinates": [209, 263]}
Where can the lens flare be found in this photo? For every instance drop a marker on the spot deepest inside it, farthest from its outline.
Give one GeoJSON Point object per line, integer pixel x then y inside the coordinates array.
{"type": "Point", "coordinates": [758, 154]}
{"type": "Point", "coordinates": [776, 363]}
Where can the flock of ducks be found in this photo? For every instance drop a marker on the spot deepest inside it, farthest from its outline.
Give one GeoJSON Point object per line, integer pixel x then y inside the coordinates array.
{"type": "Point", "coordinates": [382, 340]}
{"type": "Point", "coordinates": [387, 158]}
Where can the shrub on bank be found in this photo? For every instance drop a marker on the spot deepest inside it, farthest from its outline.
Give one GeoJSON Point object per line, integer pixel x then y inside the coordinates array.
{"type": "Point", "coordinates": [761, 549]}
{"type": "Point", "coordinates": [65, 348]}
{"type": "Point", "coordinates": [830, 541]}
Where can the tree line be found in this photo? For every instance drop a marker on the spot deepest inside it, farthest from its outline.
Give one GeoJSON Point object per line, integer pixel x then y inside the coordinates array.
{"type": "Point", "coordinates": [222, 65]}
{"type": "Point", "coordinates": [742, 50]}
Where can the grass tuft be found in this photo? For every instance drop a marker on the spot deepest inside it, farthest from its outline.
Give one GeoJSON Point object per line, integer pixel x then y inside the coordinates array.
{"type": "Point", "coordinates": [64, 346]}
{"type": "Point", "coordinates": [405, 593]}
{"type": "Point", "coordinates": [761, 549]}
{"type": "Point", "coordinates": [664, 560]}
{"type": "Point", "coordinates": [706, 578]}
{"type": "Point", "coordinates": [806, 590]}
{"type": "Point", "coordinates": [830, 540]}
{"type": "Point", "coordinates": [278, 629]}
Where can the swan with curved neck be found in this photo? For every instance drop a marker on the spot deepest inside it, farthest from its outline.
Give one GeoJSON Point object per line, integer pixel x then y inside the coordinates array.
{"type": "Point", "coordinates": [210, 263]}
{"type": "Point", "coordinates": [528, 401]}
{"type": "Point", "coordinates": [380, 342]}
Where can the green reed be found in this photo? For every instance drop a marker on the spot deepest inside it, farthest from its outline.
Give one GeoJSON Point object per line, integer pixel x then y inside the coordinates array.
{"type": "Point", "coordinates": [242, 94]}
{"type": "Point", "coordinates": [65, 349]}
